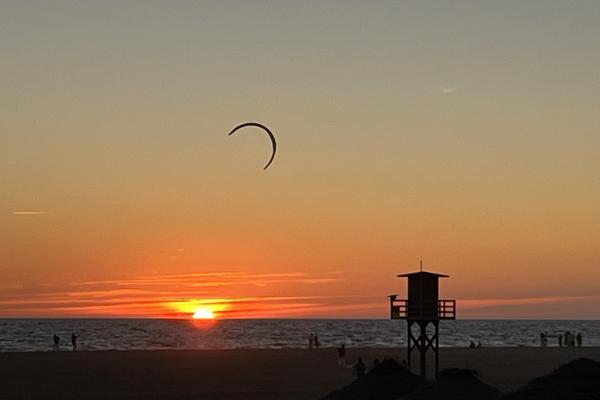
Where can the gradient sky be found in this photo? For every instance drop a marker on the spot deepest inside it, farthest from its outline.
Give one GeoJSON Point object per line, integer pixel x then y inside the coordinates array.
{"type": "Point", "coordinates": [462, 133]}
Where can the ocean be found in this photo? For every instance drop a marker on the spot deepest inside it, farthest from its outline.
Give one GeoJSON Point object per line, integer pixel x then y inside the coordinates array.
{"type": "Point", "coordinates": [160, 334]}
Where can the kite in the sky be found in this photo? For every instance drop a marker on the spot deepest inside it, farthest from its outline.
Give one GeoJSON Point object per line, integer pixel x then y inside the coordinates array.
{"type": "Point", "coordinates": [264, 128]}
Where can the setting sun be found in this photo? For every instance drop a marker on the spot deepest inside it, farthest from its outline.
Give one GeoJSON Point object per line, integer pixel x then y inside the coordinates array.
{"type": "Point", "coordinates": [203, 313]}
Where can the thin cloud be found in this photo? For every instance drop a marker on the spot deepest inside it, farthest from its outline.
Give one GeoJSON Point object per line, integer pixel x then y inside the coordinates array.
{"type": "Point", "coordinates": [485, 303]}
{"type": "Point", "coordinates": [30, 212]}
{"type": "Point", "coordinates": [222, 279]}
{"type": "Point", "coordinates": [168, 295]}
{"type": "Point", "coordinates": [447, 90]}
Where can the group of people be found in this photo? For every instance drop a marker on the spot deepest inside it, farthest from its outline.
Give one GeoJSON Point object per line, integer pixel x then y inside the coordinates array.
{"type": "Point", "coordinates": [313, 341]}
{"type": "Point", "coordinates": [56, 342]}
{"type": "Point", "coordinates": [569, 339]}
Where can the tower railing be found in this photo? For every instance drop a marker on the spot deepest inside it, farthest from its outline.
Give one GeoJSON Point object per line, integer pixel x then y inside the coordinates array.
{"type": "Point", "coordinates": [403, 309]}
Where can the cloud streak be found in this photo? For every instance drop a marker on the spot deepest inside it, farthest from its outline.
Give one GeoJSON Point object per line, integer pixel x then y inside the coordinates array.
{"type": "Point", "coordinates": [447, 90]}
{"type": "Point", "coordinates": [169, 296]}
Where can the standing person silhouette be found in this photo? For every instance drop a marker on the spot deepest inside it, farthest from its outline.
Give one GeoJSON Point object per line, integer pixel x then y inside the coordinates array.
{"type": "Point", "coordinates": [342, 356]}
{"type": "Point", "coordinates": [542, 340]}
{"type": "Point", "coordinates": [56, 341]}
{"type": "Point", "coordinates": [560, 340]}
{"type": "Point", "coordinates": [579, 339]}
{"type": "Point", "coordinates": [317, 343]}
{"type": "Point", "coordinates": [74, 341]}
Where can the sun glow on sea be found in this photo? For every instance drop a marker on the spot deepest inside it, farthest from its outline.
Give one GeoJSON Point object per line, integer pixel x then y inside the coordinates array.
{"type": "Point", "coordinates": [199, 310]}
{"type": "Point", "coordinates": [203, 313]}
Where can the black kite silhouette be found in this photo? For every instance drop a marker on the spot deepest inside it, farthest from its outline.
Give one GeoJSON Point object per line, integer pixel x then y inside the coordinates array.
{"type": "Point", "coordinates": [264, 128]}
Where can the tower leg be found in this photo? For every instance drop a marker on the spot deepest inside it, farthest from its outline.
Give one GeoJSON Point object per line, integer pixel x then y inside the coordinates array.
{"type": "Point", "coordinates": [436, 348]}
{"type": "Point", "coordinates": [423, 349]}
{"type": "Point", "coordinates": [409, 345]}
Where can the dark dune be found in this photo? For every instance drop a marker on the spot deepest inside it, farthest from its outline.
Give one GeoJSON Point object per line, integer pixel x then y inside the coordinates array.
{"type": "Point", "coordinates": [387, 381]}
{"type": "Point", "coordinates": [578, 379]}
{"type": "Point", "coordinates": [456, 384]}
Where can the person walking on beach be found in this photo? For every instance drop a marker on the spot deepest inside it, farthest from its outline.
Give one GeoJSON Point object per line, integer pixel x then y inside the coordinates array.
{"type": "Point", "coordinates": [359, 368]}
{"type": "Point", "coordinates": [342, 356]}
{"type": "Point", "coordinates": [311, 341]}
{"type": "Point", "coordinates": [579, 339]}
{"type": "Point", "coordinates": [317, 343]}
{"type": "Point", "coordinates": [543, 340]}
{"type": "Point", "coordinates": [74, 341]}
{"type": "Point", "coordinates": [560, 340]}
{"type": "Point", "coordinates": [56, 341]}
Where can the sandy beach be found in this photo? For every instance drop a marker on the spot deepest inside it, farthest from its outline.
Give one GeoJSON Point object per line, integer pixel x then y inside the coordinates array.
{"type": "Point", "coordinates": [240, 374]}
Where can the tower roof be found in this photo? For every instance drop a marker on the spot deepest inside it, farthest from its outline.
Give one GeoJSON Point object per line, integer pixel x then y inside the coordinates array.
{"type": "Point", "coordinates": [423, 273]}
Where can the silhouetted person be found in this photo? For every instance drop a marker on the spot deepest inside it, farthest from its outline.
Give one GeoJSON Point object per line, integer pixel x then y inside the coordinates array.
{"type": "Point", "coordinates": [317, 343]}
{"type": "Point", "coordinates": [560, 340]}
{"type": "Point", "coordinates": [311, 341]}
{"type": "Point", "coordinates": [56, 341]}
{"type": "Point", "coordinates": [376, 363]}
{"type": "Point", "coordinates": [472, 345]}
{"type": "Point", "coordinates": [478, 345]}
{"type": "Point", "coordinates": [579, 339]}
{"type": "Point", "coordinates": [342, 356]}
{"type": "Point", "coordinates": [360, 368]}
{"type": "Point", "coordinates": [74, 341]}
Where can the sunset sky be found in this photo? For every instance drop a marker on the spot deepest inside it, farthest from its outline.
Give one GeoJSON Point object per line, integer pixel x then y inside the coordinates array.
{"type": "Point", "coordinates": [463, 133]}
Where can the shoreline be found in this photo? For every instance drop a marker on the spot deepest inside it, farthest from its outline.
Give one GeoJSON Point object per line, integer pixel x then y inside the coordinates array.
{"type": "Point", "coordinates": [67, 349]}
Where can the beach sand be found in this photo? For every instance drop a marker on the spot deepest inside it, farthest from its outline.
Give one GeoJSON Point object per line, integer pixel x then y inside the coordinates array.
{"type": "Point", "coordinates": [240, 374]}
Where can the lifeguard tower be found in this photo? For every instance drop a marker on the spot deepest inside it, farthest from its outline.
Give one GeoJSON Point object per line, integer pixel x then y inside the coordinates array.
{"type": "Point", "coordinates": [423, 307]}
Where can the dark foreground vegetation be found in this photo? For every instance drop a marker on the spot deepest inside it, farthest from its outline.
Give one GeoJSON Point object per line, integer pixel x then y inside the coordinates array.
{"type": "Point", "coordinates": [578, 379]}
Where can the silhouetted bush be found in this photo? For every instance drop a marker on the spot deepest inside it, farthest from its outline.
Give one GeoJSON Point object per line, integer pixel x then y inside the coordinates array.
{"type": "Point", "coordinates": [456, 384]}
{"type": "Point", "coordinates": [578, 380]}
{"type": "Point", "coordinates": [387, 381]}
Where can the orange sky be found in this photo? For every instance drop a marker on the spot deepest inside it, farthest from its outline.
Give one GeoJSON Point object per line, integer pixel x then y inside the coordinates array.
{"type": "Point", "coordinates": [465, 135]}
